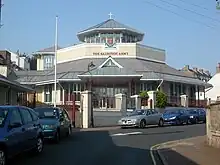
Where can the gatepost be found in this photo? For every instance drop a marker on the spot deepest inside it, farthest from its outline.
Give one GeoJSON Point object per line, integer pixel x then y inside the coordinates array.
{"type": "Point", "coordinates": [151, 99]}
{"type": "Point", "coordinates": [120, 101]}
{"type": "Point", "coordinates": [86, 108]}
{"type": "Point", "coordinates": [137, 101]}
{"type": "Point", "coordinates": [184, 100]}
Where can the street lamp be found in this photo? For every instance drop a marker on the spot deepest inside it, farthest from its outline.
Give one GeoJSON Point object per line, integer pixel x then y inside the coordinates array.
{"type": "Point", "coordinates": [91, 65]}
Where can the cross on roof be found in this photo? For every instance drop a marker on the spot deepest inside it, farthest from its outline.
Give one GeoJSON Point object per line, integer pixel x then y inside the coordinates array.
{"type": "Point", "coordinates": [110, 15]}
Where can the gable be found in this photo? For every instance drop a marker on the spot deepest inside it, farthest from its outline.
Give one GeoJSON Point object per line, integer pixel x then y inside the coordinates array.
{"type": "Point", "coordinates": [110, 62]}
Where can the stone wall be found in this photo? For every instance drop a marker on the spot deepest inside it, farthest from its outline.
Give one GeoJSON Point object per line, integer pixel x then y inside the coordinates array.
{"type": "Point", "coordinates": [213, 125]}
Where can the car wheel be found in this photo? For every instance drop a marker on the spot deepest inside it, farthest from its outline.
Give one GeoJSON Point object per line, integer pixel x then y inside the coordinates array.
{"type": "Point", "coordinates": [2, 157]}
{"type": "Point", "coordinates": [161, 123]}
{"type": "Point", "coordinates": [188, 122]}
{"type": "Point", "coordinates": [39, 146]}
{"type": "Point", "coordinates": [142, 124]}
{"type": "Point", "coordinates": [57, 137]}
{"type": "Point", "coordinates": [178, 122]}
{"type": "Point", "coordinates": [69, 131]}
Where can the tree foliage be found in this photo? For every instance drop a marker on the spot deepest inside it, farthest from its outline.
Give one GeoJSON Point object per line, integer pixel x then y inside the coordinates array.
{"type": "Point", "coordinates": [161, 99]}
{"type": "Point", "coordinates": [144, 95]}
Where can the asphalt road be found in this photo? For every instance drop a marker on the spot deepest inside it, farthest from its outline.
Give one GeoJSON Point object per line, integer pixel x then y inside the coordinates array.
{"type": "Point", "coordinates": [109, 147]}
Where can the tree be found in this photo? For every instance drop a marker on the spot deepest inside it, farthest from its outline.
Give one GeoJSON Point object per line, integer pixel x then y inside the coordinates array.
{"type": "Point", "coordinates": [161, 99]}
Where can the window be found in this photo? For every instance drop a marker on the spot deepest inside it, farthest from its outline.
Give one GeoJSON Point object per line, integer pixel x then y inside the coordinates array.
{"type": "Point", "coordinates": [34, 115]}
{"type": "Point", "coordinates": [15, 117]}
{"type": "Point", "coordinates": [26, 115]}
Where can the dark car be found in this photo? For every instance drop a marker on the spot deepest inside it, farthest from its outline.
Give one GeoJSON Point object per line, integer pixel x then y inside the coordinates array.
{"type": "Point", "coordinates": [176, 116]}
{"type": "Point", "coordinates": [197, 115]}
{"type": "Point", "coordinates": [55, 121]}
{"type": "Point", "coordinates": [20, 131]}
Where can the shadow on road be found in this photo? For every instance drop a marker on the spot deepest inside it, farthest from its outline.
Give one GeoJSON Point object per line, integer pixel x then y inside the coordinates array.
{"type": "Point", "coordinates": [173, 158]}
{"type": "Point", "coordinates": [83, 148]}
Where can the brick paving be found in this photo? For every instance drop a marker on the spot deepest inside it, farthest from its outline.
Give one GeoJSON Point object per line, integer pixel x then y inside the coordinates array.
{"type": "Point", "coordinates": [192, 151]}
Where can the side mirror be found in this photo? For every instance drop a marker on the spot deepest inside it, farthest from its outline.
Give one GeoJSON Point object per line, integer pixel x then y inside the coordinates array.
{"type": "Point", "coordinates": [14, 125]}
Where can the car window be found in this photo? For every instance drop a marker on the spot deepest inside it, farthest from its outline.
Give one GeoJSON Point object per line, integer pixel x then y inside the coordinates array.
{"type": "Point", "coordinates": [66, 115]}
{"type": "Point", "coordinates": [153, 111]}
{"type": "Point", "coordinates": [26, 115]}
{"type": "Point", "coordinates": [15, 117]}
{"type": "Point", "coordinates": [148, 112]}
{"type": "Point", "coordinates": [46, 112]}
{"type": "Point", "coordinates": [33, 114]}
{"type": "Point", "coordinates": [3, 116]}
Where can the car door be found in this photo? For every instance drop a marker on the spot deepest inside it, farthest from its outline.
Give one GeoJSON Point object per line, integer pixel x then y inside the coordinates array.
{"type": "Point", "coordinates": [16, 135]}
{"type": "Point", "coordinates": [149, 117]}
{"type": "Point", "coordinates": [29, 127]}
{"type": "Point", "coordinates": [67, 122]}
{"type": "Point", "coordinates": [155, 116]}
{"type": "Point", "coordinates": [202, 115]}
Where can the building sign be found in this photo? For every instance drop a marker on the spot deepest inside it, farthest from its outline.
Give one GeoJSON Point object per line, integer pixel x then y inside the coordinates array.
{"type": "Point", "coordinates": [110, 53]}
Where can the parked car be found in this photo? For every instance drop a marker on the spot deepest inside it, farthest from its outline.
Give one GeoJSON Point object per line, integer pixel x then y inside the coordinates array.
{"type": "Point", "coordinates": [176, 116]}
{"type": "Point", "coordinates": [197, 115]}
{"type": "Point", "coordinates": [20, 131]}
{"type": "Point", "coordinates": [141, 118]}
{"type": "Point", "coordinates": [55, 121]}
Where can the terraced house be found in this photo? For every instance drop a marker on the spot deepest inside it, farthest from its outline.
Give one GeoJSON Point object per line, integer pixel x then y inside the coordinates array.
{"type": "Point", "coordinates": [109, 59]}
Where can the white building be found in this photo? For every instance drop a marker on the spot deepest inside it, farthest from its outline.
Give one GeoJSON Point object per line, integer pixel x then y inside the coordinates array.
{"type": "Point", "coordinates": [20, 61]}
{"type": "Point", "coordinates": [213, 94]}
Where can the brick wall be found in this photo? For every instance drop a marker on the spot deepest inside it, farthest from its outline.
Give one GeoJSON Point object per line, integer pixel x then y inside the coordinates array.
{"type": "Point", "coordinates": [213, 125]}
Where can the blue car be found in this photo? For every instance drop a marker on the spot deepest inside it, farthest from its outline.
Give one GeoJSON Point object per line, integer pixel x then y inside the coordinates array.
{"type": "Point", "coordinates": [55, 121]}
{"type": "Point", "coordinates": [176, 116]}
{"type": "Point", "coordinates": [20, 131]}
{"type": "Point", "coordinates": [197, 115]}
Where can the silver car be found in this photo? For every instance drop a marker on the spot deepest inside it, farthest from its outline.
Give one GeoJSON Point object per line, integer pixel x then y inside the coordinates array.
{"type": "Point", "coordinates": [141, 118]}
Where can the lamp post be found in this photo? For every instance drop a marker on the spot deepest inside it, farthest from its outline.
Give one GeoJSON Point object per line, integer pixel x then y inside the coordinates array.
{"type": "Point", "coordinates": [91, 65]}
{"type": "Point", "coordinates": [55, 63]}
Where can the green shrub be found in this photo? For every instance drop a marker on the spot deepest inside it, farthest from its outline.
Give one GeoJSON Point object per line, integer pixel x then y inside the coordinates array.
{"type": "Point", "coordinates": [161, 99]}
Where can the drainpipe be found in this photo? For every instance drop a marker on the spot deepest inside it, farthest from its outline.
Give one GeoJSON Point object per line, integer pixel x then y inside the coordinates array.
{"type": "Point", "coordinates": [160, 85]}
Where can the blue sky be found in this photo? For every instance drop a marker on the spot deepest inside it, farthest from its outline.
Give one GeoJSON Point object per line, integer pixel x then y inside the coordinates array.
{"type": "Point", "coordinates": [29, 25]}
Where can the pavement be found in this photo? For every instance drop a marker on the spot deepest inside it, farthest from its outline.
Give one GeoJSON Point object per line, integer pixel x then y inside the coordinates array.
{"type": "Point", "coordinates": [109, 146]}
{"type": "Point", "coordinates": [192, 151]}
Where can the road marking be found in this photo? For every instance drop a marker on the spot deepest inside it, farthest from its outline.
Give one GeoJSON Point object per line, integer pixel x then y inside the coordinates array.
{"type": "Point", "coordinates": [152, 149]}
{"type": "Point", "coordinates": [129, 133]}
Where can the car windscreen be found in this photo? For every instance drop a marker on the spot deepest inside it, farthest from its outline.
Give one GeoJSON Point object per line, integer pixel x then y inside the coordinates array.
{"type": "Point", "coordinates": [193, 111]}
{"type": "Point", "coordinates": [172, 111]}
{"type": "Point", "coordinates": [137, 112]}
{"type": "Point", "coordinates": [46, 112]}
{"type": "Point", "coordinates": [3, 116]}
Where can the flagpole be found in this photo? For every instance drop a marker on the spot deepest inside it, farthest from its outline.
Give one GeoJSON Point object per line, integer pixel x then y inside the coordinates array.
{"type": "Point", "coordinates": [55, 63]}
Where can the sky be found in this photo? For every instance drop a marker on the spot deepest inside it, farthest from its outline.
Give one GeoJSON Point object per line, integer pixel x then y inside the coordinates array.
{"type": "Point", "coordinates": [189, 30]}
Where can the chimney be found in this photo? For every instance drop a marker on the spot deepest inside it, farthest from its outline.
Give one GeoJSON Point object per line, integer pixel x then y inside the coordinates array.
{"type": "Point", "coordinates": [186, 68]}
{"type": "Point", "coordinates": [218, 68]}
{"type": "Point", "coordinates": [207, 72]}
{"type": "Point", "coordinates": [201, 70]}
{"type": "Point", "coordinates": [195, 69]}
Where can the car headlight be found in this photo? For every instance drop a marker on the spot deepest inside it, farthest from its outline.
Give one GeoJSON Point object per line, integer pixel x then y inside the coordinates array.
{"type": "Point", "coordinates": [173, 118]}
{"type": "Point", "coordinates": [49, 126]}
{"type": "Point", "coordinates": [191, 117]}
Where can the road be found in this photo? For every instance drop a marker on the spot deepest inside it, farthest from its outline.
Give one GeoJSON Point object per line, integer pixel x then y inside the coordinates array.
{"type": "Point", "coordinates": [109, 147]}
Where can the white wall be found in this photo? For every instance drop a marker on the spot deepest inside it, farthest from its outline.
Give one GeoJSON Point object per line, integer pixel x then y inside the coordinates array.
{"type": "Point", "coordinates": [22, 62]}
{"type": "Point", "coordinates": [214, 92]}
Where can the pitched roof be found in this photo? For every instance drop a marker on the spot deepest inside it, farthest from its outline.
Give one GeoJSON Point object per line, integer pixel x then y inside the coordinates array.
{"type": "Point", "coordinates": [110, 24]}
{"type": "Point", "coordinates": [48, 50]}
{"type": "Point", "coordinates": [132, 66]}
